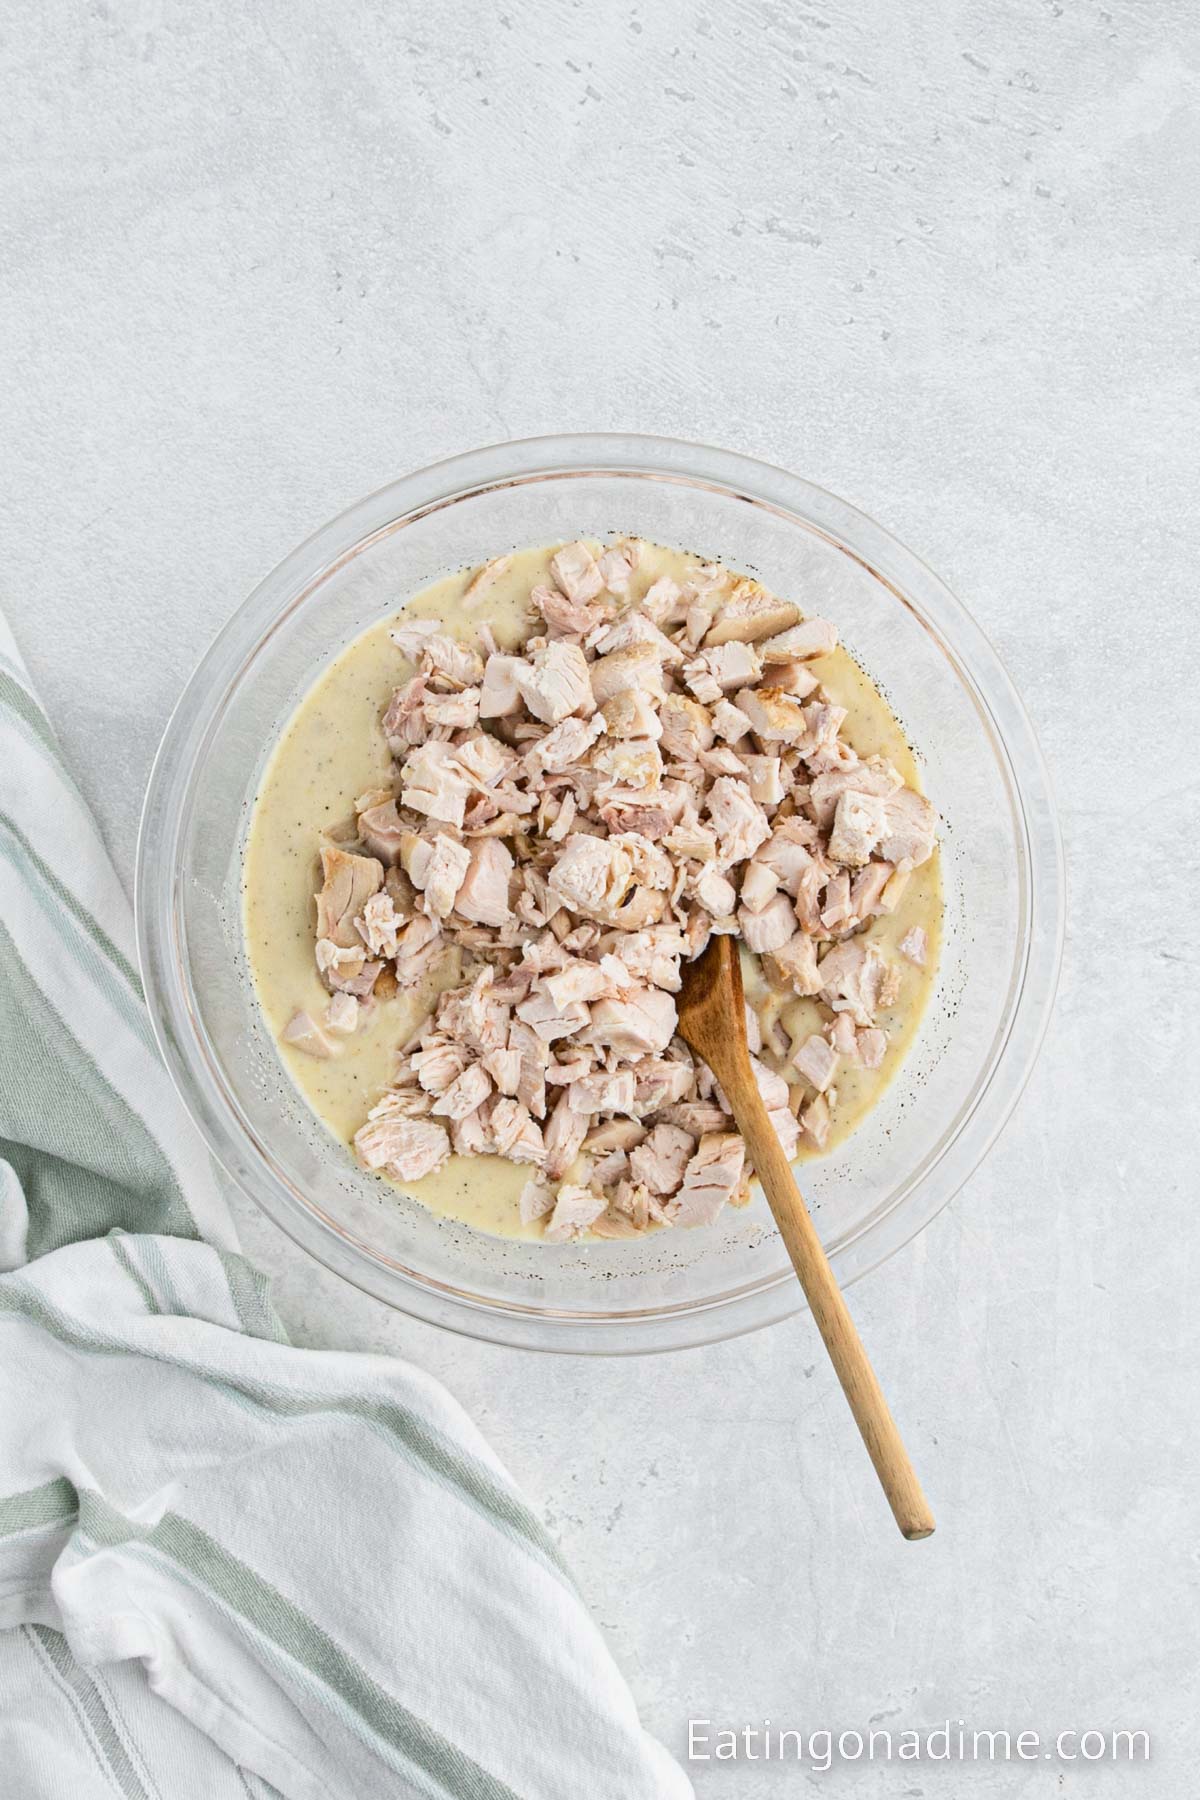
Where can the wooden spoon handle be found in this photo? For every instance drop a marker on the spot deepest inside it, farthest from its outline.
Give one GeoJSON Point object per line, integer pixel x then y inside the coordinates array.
{"type": "Point", "coordinates": [829, 1309]}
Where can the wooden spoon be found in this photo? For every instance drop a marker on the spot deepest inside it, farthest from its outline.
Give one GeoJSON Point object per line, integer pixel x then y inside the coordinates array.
{"type": "Point", "coordinates": [712, 1021]}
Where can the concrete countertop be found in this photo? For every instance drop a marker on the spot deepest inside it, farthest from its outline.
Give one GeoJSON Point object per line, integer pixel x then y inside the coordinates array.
{"type": "Point", "coordinates": [259, 260]}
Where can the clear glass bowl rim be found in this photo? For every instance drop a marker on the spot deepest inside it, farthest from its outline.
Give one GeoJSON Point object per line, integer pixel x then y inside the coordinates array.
{"type": "Point", "coordinates": [197, 715]}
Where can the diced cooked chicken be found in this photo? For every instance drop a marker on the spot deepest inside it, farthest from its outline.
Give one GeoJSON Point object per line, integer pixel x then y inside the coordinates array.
{"type": "Point", "coordinates": [406, 1147]}
{"type": "Point", "coordinates": [566, 743]}
{"type": "Point", "coordinates": [715, 892]}
{"type": "Point", "coordinates": [775, 716]}
{"type": "Point", "coordinates": [403, 723]}
{"type": "Point", "coordinates": [634, 628]}
{"type": "Point", "coordinates": [641, 1023]}
{"type": "Point", "coordinates": [856, 977]}
{"type": "Point", "coordinates": [564, 1135]}
{"type": "Point", "coordinates": [499, 696]}
{"type": "Point", "coordinates": [551, 1022]}
{"type": "Point", "coordinates": [341, 1014]}
{"type": "Point", "coordinates": [787, 1130]}
{"type": "Point", "coordinates": [444, 875]}
{"type": "Point", "coordinates": [712, 1177]}
{"type": "Point", "coordinates": [638, 666]}
{"type": "Point", "coordinates": [859, 821]}
{"type": "Point", "coordinates": [813, 637]}
{"type": "Point", "coordinates": [759, 885]}
{"type": "Point", "coordinates": [419, 943]}
{"type": "Point", "coordinates": [618, 564]}
{"type": "Point", "coordinates": [436, 653]}
{"type": "Point", "coordinates": [568, 824]}
{"type": "Point", "coordinates": [483, 892]}
{"type": "Point", "coordinates": [433, 784]}
{"type": "Point", "coordinates": [591, 875]}
{"type": "Point", "coordinates": [565, 617]}
{"type": "Point", "coordinates": [302, 1032]}
{"type": "Point", "coordinates": [661, 598]}
{"type": "Point", "coordinates": [817, 1061]}
{"type": "Point", "coordinates": [554, 682]}
{"type": "Point", "coordinates": [658, 1163]}
{"type": "Point", "coordinates": [868, 888]}
{"type": "Point", "coordinates": [796, 961]}
{"type": "Point", "coordinates": [766, 779]}
{"type": "Point", "coordinates": [487, 577]}
{"type": "Point", "coordinates": [536, 1199]}
{"type": "Point", "coordinates": [769, 929]}
{"type": "Point", "coordinates": [911, 827]}
{"type": "Point", "coordinates": [729, 722]}
{"type": "Point", "coordinates": [380, 924]}
{"type": "Point", "coordinates": [720, 669]}
{"type": "Point", "coordinates": [914, 945]}
{"type": "Point", "coordinates": [515, 1133]}
{"type": "Point", "coordinates": [871, 777]}
{"type": "Point", "coordinates": [575, 1209]}
{"type": "Point", "coordinates": [458, 712]}
{"type": "Point", "coordinates": [740, 823]}
{"type": "Point", "coordinates": [815, 1121]}
{"type": "Point", "coordinates": [631, 714]}
{"type": "Point", "coordinates": [750, 614]}
{"type": "Point", "coordinates": [575, 570]}
{"type": "Point", "coordinates": [687, 726]}
{"type": "Point", "coordinates": [380, 829]}
{"type": "Point", "coordinates": [349, 882]}
{"type": "Point", "coordinates": [631, 763]}
{"type": "Point", "coordinates": [793, 676]}
{"type": "Point", "coordinates": [607, 1091]}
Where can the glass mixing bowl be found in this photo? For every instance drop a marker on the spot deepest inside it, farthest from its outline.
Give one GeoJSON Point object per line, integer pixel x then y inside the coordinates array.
{"type": "Point", "coordinates": [981, 766]}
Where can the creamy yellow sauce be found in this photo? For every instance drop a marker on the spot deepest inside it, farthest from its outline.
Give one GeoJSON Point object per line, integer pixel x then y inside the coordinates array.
{"type": "Point", "coordinates": [332, 750]}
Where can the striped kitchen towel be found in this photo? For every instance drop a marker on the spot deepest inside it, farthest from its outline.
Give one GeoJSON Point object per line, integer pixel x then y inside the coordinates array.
{"type": "Point", "coordinates": [228, 1566]}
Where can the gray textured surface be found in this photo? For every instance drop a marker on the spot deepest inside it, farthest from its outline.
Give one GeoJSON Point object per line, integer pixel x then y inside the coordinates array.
{"type": "Point", "coordinates": [258, 260]}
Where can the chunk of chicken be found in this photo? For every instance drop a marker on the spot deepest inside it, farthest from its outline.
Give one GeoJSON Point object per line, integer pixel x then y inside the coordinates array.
{"type": "Point", "coordinates": [302, 1032]}
{"type": "Point", "coordinates": [483, 893]}
{"type": "Point", "coordinates": [857, 978]}
{"type": "Point", "coordinates": [769, 929]}
{"type": "Point", "coordinates": [555, 683]}
{"type": "Point", "coordinates": [911, 827]}
{"type": "Point", "coordinates": [445, 875]}
{"type": "Point", "coordinates": [641, 1023]}
{"type": "Point", "coordinates": [575, 570]}
{"type": "Point", "coordinates": [813, 637]}
{"type": "Point", "coordinates": [500, 697]}
{"type": "Point", "coordinates": [485, 580]}
{"type": "Point", "coordinates": [859, 822]}
{"type": "Point", "coordinates": [631, 714]}
{"type": "Point", "coordinates": [591, 875]}
{"type": "Point", "coordinates": [563, 1136]}
{"type": "Point", "coordinates": [380, 829]}
{"type": "Point", "coordinates": [687, 726]}
{"type": "Point", "coordinates": [796, 961]}
{"type": "Point", "coordinates": [750, 614]}
{"type": "Point", "coordinates": [349, 881]}
{"type": "Point", "coordinates": [516, 1134]}
{"type": "Point", "coordinates": [433, 784]}
{"type": "Point", "coordinates": [659, 1163]}
{"type": "Point", "coordinates": [817, 1061]}
{"type": "Point", "coordinates": [712, 1177]}
{"type": "Point", "coordinates": [638, 666]}
{"type": "Point", "coordinates": [775, 716]}
{"type": "Point", "coordinates": [408, 1148]}
{"type": "Point", "coordinates": [575, 1209]}
{"type": "Point", "coordinates": [740, 823]}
